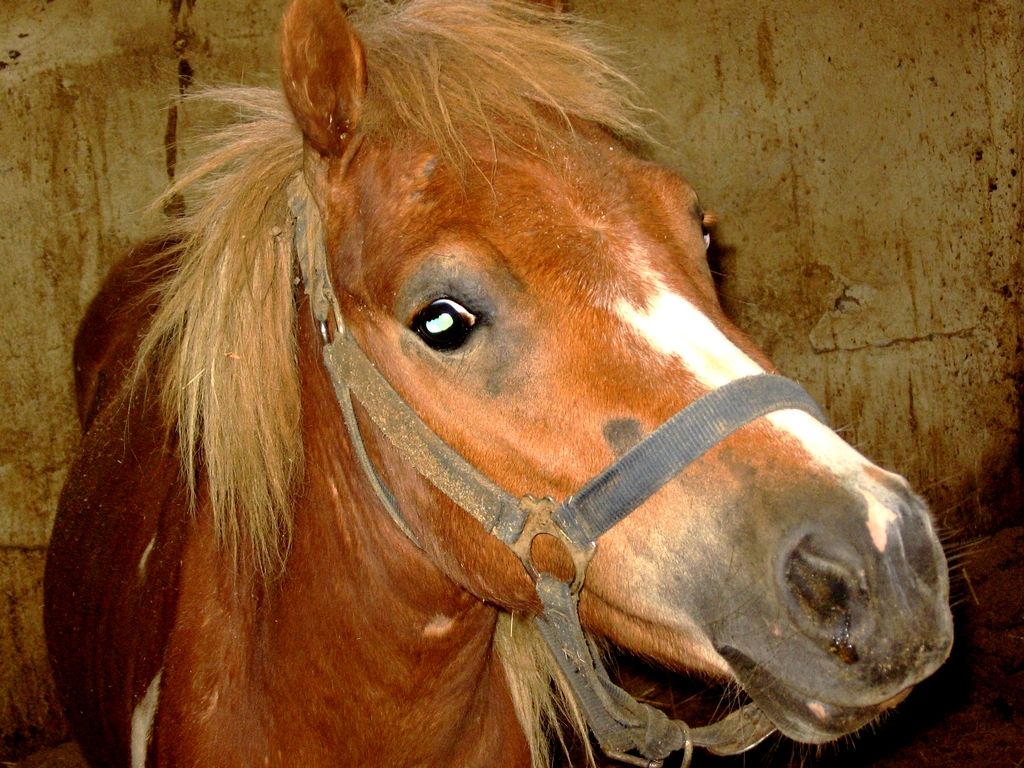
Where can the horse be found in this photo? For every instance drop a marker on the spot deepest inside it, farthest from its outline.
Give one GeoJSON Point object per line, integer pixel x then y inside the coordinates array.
{"type": "Point", "coordinates": [427, 391]}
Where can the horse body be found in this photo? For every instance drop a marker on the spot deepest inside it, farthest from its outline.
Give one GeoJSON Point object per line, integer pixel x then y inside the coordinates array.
{"type": "Point", "coordinates": [108, 632]}
{"type": "Point", "coordinates": [782, 559]}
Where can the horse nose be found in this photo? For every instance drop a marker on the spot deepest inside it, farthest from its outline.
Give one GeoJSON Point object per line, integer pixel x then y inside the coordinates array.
{"type": "Point", "coordinates": [826, 588]}
{"type": "Point", "coordinates": [920, 545]}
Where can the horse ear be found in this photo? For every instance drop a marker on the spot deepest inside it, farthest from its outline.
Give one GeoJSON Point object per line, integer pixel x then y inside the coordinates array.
{"type": "Point", "coordinates": [323, 70]}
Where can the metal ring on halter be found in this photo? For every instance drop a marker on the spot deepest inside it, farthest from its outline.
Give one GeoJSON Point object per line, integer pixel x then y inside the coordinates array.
{"type": "Point", "coordinates": [687, 746]}
{"type": "Point", "coordinates": [538, 522]}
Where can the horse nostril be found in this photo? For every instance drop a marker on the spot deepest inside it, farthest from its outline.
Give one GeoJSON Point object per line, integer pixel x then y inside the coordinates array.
{"type": "Point", "coordinates": [818, 585]}
{"type": "Point", "coordinates": [825, 591]}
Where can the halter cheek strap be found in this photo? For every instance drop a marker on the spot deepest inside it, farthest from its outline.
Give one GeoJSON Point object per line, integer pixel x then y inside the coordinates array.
{"type": "Point", "coordinates": [619, 723]}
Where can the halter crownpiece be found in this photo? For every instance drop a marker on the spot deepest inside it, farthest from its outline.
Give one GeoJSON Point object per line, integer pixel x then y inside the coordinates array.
{"type": "Point", "coordinates": [619, 722]}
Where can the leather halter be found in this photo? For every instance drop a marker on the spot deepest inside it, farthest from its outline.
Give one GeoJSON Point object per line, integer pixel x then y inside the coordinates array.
{"type": "Point", "coordinates": [619, 723]}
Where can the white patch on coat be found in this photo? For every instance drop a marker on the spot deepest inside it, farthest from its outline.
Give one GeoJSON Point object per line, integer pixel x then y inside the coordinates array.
{"type": "Point", "coordinates": [145, 557]}
{"type": "Point", "coordinates": [879, 517]}
{"type": "Point", "coordinates": [674, 327]}
{"type": "Point", "coordinates": [438, 626]}
{"type": "Point", "coordinates": [818, 710]}
{"type": "Point", "coordinates": [819, 441]}
{"type": "Point", "coordinates": [142, 722]}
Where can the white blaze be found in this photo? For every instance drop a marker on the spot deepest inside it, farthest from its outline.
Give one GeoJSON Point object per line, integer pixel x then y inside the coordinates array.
{"type": "Point", "coordinates": [676, 328]}
{"type": "Point", "coordinates": [673, 326]}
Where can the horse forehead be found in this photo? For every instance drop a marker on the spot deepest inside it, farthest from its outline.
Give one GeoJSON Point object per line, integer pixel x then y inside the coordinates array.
{"type": "Point", "coordinates": [602, 190]}
{"type": "Point", "coordinates": [589, 188]}
{"type": "Point", "coordinates": [585, 230]}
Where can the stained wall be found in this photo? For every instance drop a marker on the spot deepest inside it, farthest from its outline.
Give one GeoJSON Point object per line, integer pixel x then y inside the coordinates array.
{"type": "Point", "coordinates": [863, 159]}
{"type": "Point", "coordinates": [89, 115]}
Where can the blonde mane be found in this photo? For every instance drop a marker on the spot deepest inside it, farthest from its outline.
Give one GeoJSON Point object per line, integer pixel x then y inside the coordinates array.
{"type": "Point", "coordinates": [223, 343]}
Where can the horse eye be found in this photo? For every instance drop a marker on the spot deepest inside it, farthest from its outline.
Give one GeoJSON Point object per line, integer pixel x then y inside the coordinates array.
{"type": "Point", "coordinates": [444, 325]}
{"type": "Point", "coordinates": [707, 223]}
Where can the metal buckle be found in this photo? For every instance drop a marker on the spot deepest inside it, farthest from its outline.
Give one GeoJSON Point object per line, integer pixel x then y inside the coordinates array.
{"type": "Point", "coordinates": [539, 521]}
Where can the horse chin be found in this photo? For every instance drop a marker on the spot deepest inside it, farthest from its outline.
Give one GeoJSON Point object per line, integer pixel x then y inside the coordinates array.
{"type": "Point", "coordinates": [799, 716]}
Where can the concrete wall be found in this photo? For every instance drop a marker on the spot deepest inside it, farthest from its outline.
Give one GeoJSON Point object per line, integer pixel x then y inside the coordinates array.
{"type": "Point", "coordinates": [863, 158]}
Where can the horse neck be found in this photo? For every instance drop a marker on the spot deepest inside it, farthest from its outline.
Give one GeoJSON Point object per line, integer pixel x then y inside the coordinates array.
{"type": "Point", "coordinates": [373, 647]}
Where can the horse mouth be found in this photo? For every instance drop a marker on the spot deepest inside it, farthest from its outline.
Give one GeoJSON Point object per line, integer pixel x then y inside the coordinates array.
{"type": "Point", "coordinates": [800, 716]}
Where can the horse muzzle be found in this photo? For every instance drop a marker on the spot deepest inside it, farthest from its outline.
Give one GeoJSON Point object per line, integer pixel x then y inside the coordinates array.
{"type": "Point", "coordinates": [851, 627]}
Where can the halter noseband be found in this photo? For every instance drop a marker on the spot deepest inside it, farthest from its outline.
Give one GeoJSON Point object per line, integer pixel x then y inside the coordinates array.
{"type": "Point", "coordinates": [620, 723]}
